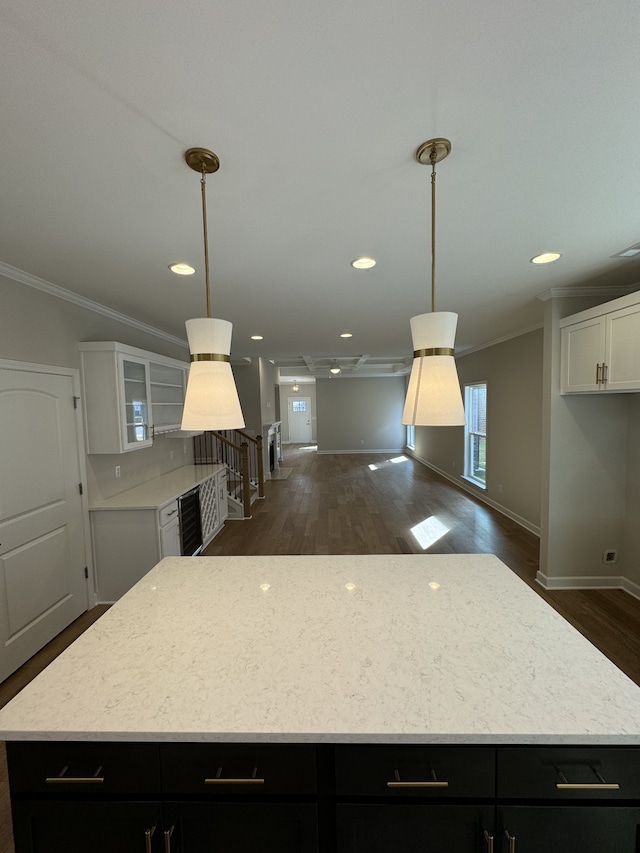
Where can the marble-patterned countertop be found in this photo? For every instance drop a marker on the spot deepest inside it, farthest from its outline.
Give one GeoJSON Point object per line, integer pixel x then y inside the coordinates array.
{"type": "Point", "coordinates": [157, 492]}
{"type": "Point", "coordinates": [337, 649]}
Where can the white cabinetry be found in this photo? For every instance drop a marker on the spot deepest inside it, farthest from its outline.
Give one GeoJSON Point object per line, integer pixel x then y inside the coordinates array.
{"type": "Point", "coordinates": [600, 348]}
{"type": "Point", "coordinates": [169, 521]}
{"type": "Point", "coordinates": [214, 506]}
{"type": "Point", "coordinates": [129, 395]}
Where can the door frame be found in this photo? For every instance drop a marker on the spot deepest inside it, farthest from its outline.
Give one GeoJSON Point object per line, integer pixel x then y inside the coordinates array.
{"type": "Point", "coordinates": [299, 397]}
{"type": "Point", "coordinates": [74, 373]}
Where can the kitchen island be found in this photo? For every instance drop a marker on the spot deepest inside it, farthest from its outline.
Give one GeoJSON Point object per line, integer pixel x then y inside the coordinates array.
{"type": "Point", "coordinates": [345, 698]}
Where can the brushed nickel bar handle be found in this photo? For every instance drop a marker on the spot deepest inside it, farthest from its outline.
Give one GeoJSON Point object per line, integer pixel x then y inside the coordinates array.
{"type": "Point", "coordinates": [600, 785]}
{"type": "Point", "coordinates": [434, 783]}
{"type": "Point", "coordinates": [61, 779]}
{"type": "Point", "coordinates": [148, 835]}
{"type": "Point", "coordinates": [167, 839]}
{"type": "Point", "coordinates": [597, 374]}
{"type": "Point", "coordinates": [220, 780]}
{"type": "Point", "coordinates": [605, 371]}
{"type": "Point", "coordinates": [512, 841]}
{"type": "Point", "coordinates": [489, 839]}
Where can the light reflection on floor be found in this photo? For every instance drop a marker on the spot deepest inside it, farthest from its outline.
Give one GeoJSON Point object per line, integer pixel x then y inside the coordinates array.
{"type": "Point", "coordinates": [429, 531]}
{"type": "Point", "coordinates": [394, 461]}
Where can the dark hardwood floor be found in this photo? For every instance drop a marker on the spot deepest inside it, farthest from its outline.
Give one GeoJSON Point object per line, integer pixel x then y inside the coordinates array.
{"type": "Point", "coordinates": [367, 504]}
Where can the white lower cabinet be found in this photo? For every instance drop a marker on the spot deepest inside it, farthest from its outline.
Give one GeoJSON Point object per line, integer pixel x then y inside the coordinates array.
{"type": "Point", "coordinates": [128, 541]}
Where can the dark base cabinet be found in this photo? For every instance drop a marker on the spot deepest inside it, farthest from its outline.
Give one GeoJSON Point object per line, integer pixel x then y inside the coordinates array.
{"type": "Point", "coordinates": [241, 827]}
{"type": "Point", "coordinates": [76, 826]}
{"type": "Point", "coordinates": [299, 798]}
{"type": "Point", "coordinates": [414, 829]}
{"type": "Point", "coordinates": [569, 829]}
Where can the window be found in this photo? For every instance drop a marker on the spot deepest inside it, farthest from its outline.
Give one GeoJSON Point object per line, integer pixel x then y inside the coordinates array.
{"type": "Point", "coordinates": [475, 433]}
{"type": "Point", "coordinates": [411, 436]}
{"type": "Point", "coordinates": [299, 406]}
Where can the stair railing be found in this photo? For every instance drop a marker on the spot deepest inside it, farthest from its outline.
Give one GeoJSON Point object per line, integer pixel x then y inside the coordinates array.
{"type": "Point", "coordinates": [241, 453]}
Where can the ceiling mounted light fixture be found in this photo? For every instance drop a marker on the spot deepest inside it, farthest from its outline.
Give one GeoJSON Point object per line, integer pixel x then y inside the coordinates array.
{"type": "Point", "coordinates": [433, 396]}
{"type": "Point", "coordinates": [363, 263]}
{"type": "Point", "coordinates": [334, 370]}
{"type": "Point", "coordinates": [546, 258]}
{"type": "Point", "coordinates": [295, 387]}
{"type": "Point", "coordinates": [182, 269]}
{"type": "Point", "coordinates": [211, 400]}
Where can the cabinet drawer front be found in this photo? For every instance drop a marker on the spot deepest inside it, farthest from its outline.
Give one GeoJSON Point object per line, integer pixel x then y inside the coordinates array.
{"type": "Point", "coordinates": [239, 769]}
{"type": "Point", "coordinates": [415, 771]}
{"type": "Point", "coordinates": [167, 513]}
{"type": "Point", "coordinates": [569, 773]}
{"type": "Point", "coordinates": [96, 768]}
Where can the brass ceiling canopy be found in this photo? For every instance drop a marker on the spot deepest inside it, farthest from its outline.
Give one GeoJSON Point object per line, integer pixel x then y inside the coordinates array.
{"type": "Point", "coordinates": [202, 160]}
{"type": "Point", "coordinates": [442, 149]}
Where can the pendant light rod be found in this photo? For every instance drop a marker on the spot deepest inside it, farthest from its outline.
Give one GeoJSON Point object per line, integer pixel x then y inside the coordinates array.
{"type": "Point", "coordinates": [206, 162]}
{"type": "Point", "coordinates": [430, 153]}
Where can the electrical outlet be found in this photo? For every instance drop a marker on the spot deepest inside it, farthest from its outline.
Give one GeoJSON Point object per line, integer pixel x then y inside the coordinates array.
{"type": "Point", "coordinates": [117, 470]}
{"type": "Point", "coordinates": [610, 556]}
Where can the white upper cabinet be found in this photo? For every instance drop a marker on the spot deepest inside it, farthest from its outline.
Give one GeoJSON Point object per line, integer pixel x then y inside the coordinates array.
{"type": "Point", "coordinates": [129, 395]}
{"type": "Point", "coordinates": [600, 348]}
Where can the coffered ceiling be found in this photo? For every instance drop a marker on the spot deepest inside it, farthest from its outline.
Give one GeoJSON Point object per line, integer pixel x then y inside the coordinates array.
{"type": "Point", "coordinates": [315, 111]}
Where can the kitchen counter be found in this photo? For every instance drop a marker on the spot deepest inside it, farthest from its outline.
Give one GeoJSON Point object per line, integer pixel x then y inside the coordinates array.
{"type": "Point", "coordinates": [155, 493]}
{"type": "Point", "coordinates": [336, 649]}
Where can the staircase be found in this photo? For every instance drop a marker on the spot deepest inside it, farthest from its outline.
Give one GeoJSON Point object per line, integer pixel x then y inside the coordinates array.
{"type": "Point", "coordinates": [241, 452]}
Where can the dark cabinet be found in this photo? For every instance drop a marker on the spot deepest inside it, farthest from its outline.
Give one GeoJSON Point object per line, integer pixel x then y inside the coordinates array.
{"type": "Point", "coordinates": [568, 829]}
{"type": "Point", "coordinates": [241, 827]}
{"type": "Point", "coordinates": [79, 826]}
{"type": "Point", "coordinates": [414, 828]}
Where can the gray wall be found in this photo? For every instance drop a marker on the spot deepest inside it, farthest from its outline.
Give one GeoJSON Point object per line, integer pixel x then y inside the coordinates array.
{"type": "Point", "coordinates": [631, 538]}
{"type": "Point", "coordinates": [360, 414]}
{"type": "Point", "coordinates": [44, 329]}
{"type": "Point", "coordinates": [268, 380]}
{"type": "Point", "coordinates": [247, 377]}
{"type": "Point", "coordinates": [513, 372]}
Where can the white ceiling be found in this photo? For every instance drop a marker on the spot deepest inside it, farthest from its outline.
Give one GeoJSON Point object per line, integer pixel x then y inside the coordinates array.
{"type": "Point", "coordinates": [315, 111]}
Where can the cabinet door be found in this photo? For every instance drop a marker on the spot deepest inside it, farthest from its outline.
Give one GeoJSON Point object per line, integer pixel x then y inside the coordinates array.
{"type": "Point", "coordinates": [242, 827]}
{"type": "Point", "coordinates": [208, 509]}
{"type": "Point", "coordinates": [134, 389]}
{"type": "Point", "coordinates": [75, 826]}
{"type": "Point", "coordinates": [582, 354]}
{"type": "Point", "coordinates": [568, 829]}
{"type": "Point", "coordinates": [623, 350]}
{"type": "Point", "coordinates": [415, 829]}
{"type": "Point", "coordinates": [170, 539]}
{"type": "Point", "coordinates": [167, 387]}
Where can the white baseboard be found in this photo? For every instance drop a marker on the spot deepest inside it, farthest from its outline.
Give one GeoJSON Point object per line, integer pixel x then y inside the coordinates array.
{"type": "Point", "coordinates": [368, 450]}
{"type": "Point", "coordinates": [589, 582]}
{"type": "Point", "coordinates": [479, 494]}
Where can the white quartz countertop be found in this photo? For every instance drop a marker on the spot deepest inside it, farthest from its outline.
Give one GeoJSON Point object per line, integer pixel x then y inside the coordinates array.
{"type": "Point", "coordinates": [156, 492]}
{"type": "Point", "coordinates": [341, 649]}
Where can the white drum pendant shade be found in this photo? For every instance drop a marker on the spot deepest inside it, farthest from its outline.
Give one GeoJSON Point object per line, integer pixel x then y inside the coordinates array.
{"type": "Point", "coordinates": [433, 396]}
{"type": "Point", "coordinates": [211, 401]}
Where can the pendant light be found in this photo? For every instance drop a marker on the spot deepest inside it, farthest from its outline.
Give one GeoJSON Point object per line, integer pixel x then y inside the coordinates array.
{"type": "Point", "coordinates": [211, 400]}
{"type": "Point", "coordinates": [433, 396]}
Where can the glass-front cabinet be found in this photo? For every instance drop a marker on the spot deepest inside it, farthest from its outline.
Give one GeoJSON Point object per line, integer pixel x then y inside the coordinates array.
{"type": "Point", "coordinates": [135, 404]}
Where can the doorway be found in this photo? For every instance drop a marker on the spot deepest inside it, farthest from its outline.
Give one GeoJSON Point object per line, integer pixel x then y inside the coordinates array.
{"type": "Point", "coordinates": [43, 556]}
{"type": "Point", "coordinates": [299, 415]}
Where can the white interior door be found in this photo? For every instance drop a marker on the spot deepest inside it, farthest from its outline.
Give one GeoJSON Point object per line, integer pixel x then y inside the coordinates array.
{"type": "Point", "coordinates": [42, 525]}
{"type": "Point", "coordinates": [299, 410]}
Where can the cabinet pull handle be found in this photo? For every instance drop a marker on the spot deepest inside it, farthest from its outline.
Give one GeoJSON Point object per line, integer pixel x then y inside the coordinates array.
{"type": "Point", "coordinates": [489, 839]}
{"type": "Point", "coordinates": [78, 780]}
{"type": "Point", "coordinates": [512, 841]}
{"type": "Point", "coordinates": [148, 835]}
{"type": "Point", "coordinates": [218, 779]}
{"type": "Point", "coordinates": [600, 785]}
{"type": "Point", "coordinates": [434, 783]}
{"type": "Point", "coordinates": [597, 374]}
{"type": "Point", "coordinates": [173, 512]}
{"type": "Point", "coordinates": [605, 372]}
{"type": "Point", "coordinates": [167, 839]}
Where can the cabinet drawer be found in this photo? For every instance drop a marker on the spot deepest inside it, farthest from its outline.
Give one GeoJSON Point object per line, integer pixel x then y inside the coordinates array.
{"type": "Point", "coordinates": [415, 771]}
{"type": "Point", "coordinates": [168, 512]}
{"type": "Point", "coordinates": [238, 768]}
{"type": "Point", "coordinates": [563, 773]}
{"type": "Point", "coordinates": [97, 768]}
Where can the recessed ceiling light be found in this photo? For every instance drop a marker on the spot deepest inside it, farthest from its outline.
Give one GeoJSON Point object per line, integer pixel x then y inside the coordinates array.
{"type": "Point", "coordinates": [257, 338]}
{"type": "Point", "coordinates": [182, 269]}
{"type": "Point", "coordinates": [346, 335]}
{"type": "Point", "coordinates": [546, 258]}
{"type": "Point", "coordinates": [363, 263]}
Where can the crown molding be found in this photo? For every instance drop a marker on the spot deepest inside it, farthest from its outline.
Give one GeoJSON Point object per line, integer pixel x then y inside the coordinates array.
{"type": "Point", "coordinates": [610, 291]}
{"type": "Point", "coordinates": [55, 290]}
{"type": "Point", "coordinates": [501, 340]}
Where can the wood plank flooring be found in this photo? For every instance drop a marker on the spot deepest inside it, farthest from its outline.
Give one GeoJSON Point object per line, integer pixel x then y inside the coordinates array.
{"type": "Point", "coordinates": [367, 504]}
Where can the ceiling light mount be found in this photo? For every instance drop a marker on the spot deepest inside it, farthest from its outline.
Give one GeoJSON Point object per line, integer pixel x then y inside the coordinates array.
{"type": "Point", "coordinates": [442, 148]}
{"type": "Point", "coordinates": [202, 160]}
